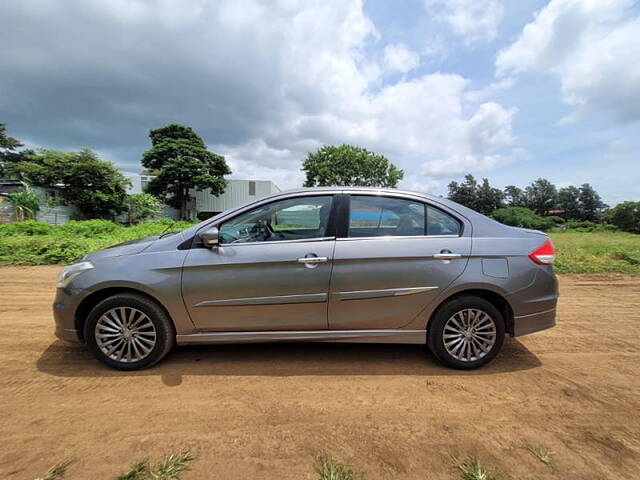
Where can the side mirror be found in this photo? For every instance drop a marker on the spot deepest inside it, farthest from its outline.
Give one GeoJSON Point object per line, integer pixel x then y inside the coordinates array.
{"type": "Point", "coordinates": [210, 237]}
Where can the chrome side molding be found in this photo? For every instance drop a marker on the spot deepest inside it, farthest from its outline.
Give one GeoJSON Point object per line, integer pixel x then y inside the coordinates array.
{"type": "Point", "coordinates": [385, 292]}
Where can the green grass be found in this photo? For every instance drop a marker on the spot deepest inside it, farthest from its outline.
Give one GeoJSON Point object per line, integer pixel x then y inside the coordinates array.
{"type": "Point", "coordinates": [474, 470]}
{"type": "Point", "coordinates": [57, 471]}
{"type": "Point", "coordinates": [596, 252]}
{"type": "Point", "coordinates": [330, 469]}
{"type": "Point", "coordinates": [36, 243]}
{"type": "Point", "coordinates": [544, 456]}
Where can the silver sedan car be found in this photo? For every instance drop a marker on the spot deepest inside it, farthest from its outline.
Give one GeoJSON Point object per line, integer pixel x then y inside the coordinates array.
{"type": "Point", "coordinates": [337, 264]}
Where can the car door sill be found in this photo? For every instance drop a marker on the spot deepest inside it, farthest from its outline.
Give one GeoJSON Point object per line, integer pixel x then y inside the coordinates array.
{"type": "Point", "coordinates": [345, 336]}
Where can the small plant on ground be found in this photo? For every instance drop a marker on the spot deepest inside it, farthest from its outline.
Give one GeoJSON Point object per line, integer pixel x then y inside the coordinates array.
{"type": "Point", "coordinates": [330, 469]}
{"type": "Point", "coordinates": [544, 456]}
{"type": "Point", "coordinates": [474, 470]}
{"type": "Point", "coordinates": [57, 471]}
{"type": "Point", "coordinates": [136, 472]}
{"type": "Point", "coordinates": [172, 466]}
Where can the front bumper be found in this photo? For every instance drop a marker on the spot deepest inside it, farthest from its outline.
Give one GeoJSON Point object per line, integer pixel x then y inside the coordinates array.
{"type": "Point", "coordinates": [533, 322]}
{"type": "Point", "coordinates": [64, 309]}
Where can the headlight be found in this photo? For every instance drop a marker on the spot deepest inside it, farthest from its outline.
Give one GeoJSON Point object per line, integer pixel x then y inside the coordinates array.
{"type": "Point", "coordinates": [72, 271]}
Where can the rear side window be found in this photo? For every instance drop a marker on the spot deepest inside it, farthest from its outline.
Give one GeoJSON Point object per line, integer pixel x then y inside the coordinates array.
{"type": "Point", "coordinates": [371, 216]}
{"type": "Point", "coordinates": [440, 223]}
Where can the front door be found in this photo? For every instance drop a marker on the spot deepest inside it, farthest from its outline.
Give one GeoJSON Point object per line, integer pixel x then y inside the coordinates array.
{"type": "Point", "coordinates": [397, 255]}
{"type": "Point", "coordinates": [271, 270]}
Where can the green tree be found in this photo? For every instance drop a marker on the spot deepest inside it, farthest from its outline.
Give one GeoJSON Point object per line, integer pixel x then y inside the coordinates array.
{"type": "Point", "coordinates": [181, 162]}
{"type": "Point", "coordinates": [625, 216]}
{"type": "Point", "coordinates": [8, 147]}
{"type": "Point", "coordinates": [25, 203]}
{"type": "Point", "coordinates": [522, 217]}
{"type": "Point", "coordinates": [542, 196]}
{"type": "Point", "coordinates": [569, 201]}
{"type": "Point", "coordinates": [93, 185]}
{"type": "Point", "coordinates": [514, 196]}
{"type": "Point", "coordinates": [141, 206]}
{"type": "Point", "coordinates": [482, 197]}
{"type": "Point", "coordinates": [590, 203]}
{"type": "Point", "coordinates": [465, 193]}
{"type": "Point", "coordinates": [351, 166]}
{"type": "Point", "coordinates": [489, 198]}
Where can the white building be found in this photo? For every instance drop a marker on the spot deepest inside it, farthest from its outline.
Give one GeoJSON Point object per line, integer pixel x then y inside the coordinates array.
{"type": "Point", "coordinates": [205, 204]}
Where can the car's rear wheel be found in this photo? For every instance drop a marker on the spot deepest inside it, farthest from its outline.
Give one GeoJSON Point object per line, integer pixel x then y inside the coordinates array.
{"type": "Point", "coordinates": [129, 332]}
{"type": "Point", "coordinates": [466, 332]}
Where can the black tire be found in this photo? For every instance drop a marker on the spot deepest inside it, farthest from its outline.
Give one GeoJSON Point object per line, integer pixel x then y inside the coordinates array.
{"type": "Point", "coordinates": [164, 330]}
{"type": "Point", "coordinates": [435, 334]}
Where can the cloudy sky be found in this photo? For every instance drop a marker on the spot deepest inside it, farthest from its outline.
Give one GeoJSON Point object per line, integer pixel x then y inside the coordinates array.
{"type": "Point", "coordinates": [509, 90]}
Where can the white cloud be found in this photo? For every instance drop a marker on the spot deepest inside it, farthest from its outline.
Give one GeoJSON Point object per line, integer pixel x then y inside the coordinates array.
{"type": "Point", "coordinates": [592, 47]}
{"type": "Point", "coordinates": [474, 20]}
{"type": "Point", "coordinates": [263, 83]}
{"type": "Point", "coordinates": [398, 58]}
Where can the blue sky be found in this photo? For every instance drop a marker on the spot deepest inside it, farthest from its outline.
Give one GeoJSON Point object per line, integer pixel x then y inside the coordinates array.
{"type": "Point", "coordinates": [511, 90]}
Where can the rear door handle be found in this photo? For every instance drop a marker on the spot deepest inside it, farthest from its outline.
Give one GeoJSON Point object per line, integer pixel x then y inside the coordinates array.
{"type": "Point", "coordinates": [312, 260]}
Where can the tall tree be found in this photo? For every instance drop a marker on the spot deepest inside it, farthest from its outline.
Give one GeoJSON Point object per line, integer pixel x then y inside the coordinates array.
{"type": "Point", "coordinates": [542, 196]}
{"type": "Point", "coordinates": [569, 201]}
{"type": "Point", "coordinates": [349, 165]}
{"type": "Point", "coordinates": [465, 193]}
{"type": "Point", "coordinates": [94, 185]}
{"type": "Point", "coordinates": [181, 162]}
{"type": "Point", "coordinates": [8, 147]}
{"type": "Point", "coordinates": [514, 196]}
{"type": "Point", "coordinates": [480, 197]}
{"type": "Point", "coordinates": [489, 198]}
{"type": "Point", "coordinates": [590, 203]}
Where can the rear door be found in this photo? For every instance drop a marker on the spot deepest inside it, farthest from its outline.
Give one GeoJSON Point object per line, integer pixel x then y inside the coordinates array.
{"type": "Point", "coordinates": [396, 254]}
{"type": "Point", "coordinates": [271, 270]}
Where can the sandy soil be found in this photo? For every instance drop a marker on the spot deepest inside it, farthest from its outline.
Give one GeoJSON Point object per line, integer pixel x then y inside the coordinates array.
{"type": "Point", "coordinates": [266, 411]}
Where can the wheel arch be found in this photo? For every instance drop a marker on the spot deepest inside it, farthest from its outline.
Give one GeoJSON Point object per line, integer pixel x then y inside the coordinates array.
{"type": "Point", "coordinates": [96, 297]}
{"type": "Point", "coordinates": [495, 298]}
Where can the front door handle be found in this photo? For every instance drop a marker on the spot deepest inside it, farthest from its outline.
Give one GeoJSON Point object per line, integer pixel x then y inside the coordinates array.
{"type": "Point", "coordinates": [446, 255]}
{"type": "Point", "coordinates": [312, 260]}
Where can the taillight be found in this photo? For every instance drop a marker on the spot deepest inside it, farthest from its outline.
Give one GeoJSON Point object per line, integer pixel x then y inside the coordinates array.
{"type": "Point", "coordinates": [544, 254]}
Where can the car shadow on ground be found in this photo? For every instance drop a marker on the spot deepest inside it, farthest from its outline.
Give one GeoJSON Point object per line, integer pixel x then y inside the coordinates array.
{"type": "Point", "coordinates": [283, 359]}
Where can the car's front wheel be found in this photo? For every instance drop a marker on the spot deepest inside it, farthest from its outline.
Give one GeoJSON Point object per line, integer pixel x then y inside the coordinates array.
{"type": "Point", "coordinates": [129, 332]}
{"type": "Point", "coordinates": [466, 332]}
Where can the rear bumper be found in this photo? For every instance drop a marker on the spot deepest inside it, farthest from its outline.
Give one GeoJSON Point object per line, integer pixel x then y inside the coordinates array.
{"type": "Point", "coordinates": [533, 322]}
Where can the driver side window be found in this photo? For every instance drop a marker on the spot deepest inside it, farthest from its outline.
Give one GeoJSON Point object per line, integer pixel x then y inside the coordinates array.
{"type": "Point", "coordinates": [291, 219]}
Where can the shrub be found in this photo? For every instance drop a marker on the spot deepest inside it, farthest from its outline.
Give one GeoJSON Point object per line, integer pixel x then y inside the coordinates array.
{"type": "Point", "coordinates": [88, 228]}
{"type": "Point", "coordinates": [25, 203]}
{"type": "Point", "coordinates": [28, 227]}
{"type": "Point", "coordinates": [140, 206]}
{"type": "Point", "coordinates": [587, 226]}
{"type": "Point", "coordinates": [626, 216]}
{"type": "Point", "coordinates": [522, 217]}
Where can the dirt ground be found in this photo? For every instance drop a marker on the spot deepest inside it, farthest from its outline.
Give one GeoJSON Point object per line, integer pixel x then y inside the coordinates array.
{"type": "Point", "coordinates": [267, 411]}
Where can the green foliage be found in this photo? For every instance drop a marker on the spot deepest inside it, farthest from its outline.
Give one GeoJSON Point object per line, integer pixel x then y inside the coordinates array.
{"type": "Point", "coordinates": [590, 203]}
{"type": "Point", "coordinates": [522, 217]}
{"type": "Point", "coordinates": [38, 243]}
{"type": "Point", "coordinates": [482, 197]}
{"type": "Point", "coordinates": [514, 196]}
{"type": "Point", "coordinates": [25, 203]}
{"type": "Point", "coordinates": [348, 165]}
{"type": "Point", "coordinates": [141, 206]}
{"type": "Point", "coordinates": [8, 146]}
{"type": "Point", "coordinates": [28, 227]}
{"type": "Point", "coordinates": [89, 228]}
{"type": "Point", "coordinates": [569, 201]}
{"type": "Point", "coordinates": [626, 216]}
{"type": "Point", "coordinates": [181, 161]}
{"type": "Point", "coordinates": [330, 469]}
{"type": "Point", "coordinates": [137, 471]}
{"type": "Point", "coordinates": [542, 196]}
{"type": "Point", "coordinates": [95, 186]}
